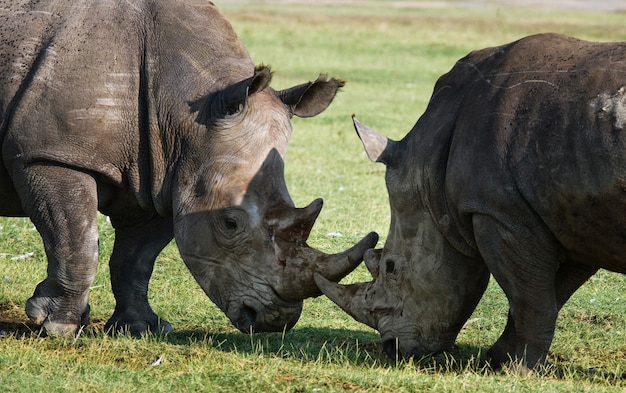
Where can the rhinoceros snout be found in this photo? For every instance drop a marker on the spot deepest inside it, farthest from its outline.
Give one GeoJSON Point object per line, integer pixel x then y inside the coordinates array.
{"type": "Point", "coordinates": [391, 349]}
{"type": "Point", "coordinates": [250, 321]}
{"type": "Point", "coordinates": [246, 320]}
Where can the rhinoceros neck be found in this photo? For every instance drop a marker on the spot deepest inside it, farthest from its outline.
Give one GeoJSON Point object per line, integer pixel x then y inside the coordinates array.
{"type": "Point", "coordinates": [428, 144]}
{"type": "Point", "coordinates": [185, 52]}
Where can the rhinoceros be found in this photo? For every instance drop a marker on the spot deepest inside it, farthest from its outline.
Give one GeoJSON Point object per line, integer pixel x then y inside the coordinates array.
{"type": "Point", "coordinates": [516, 169]}
{"type": "Point", "coordinates": [153, 113]}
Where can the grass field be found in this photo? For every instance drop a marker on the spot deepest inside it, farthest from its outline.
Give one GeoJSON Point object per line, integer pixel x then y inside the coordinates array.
{"type": "Point", "coordinates": [390, 53]}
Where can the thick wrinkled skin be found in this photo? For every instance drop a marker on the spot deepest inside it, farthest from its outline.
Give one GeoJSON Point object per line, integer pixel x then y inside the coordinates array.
{"type": "Point", "coordinates": [153, 113]}
{"type": "Point", "coordinates": [516, 169]}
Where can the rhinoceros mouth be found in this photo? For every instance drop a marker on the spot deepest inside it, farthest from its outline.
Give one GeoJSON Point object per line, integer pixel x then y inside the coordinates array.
{"type": "Point", "coordinates": [274, 316]}
{"type": "Point", "coordinates": [246, 321]}
{"type": "Point", "coordinates": [396, 347]}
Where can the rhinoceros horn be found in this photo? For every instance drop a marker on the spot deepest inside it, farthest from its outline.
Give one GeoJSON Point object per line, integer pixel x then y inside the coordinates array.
{"type": "Point", "coordinates": [296, 281]}
{"type": "Point", "coordinates": [371, 259]}
{"type": "Point", "coordinates": [293, 224]}
{"type": "Point", "coordinates": [350, 298]}
{"type": "Point", "coordinates": [289, 226]}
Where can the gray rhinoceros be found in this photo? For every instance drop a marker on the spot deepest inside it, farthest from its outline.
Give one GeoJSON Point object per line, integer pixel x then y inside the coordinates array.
{"type": "Point", "coordinates": [517, 168]}
{"type": "Point", "coordinates": [153, 113]}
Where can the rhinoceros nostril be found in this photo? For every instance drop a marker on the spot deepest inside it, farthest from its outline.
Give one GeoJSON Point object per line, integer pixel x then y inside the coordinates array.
{"type": "Point", "coordinates": [247, 319]}
{"type": "Point", "coordinates": [390, 347]}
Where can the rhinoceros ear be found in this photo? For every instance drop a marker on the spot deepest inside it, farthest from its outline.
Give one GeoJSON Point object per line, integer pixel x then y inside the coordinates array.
{"type": "Point", "coordinates": [377, 146]}
{"type": "Point", "coordinates": [231, 99]}
{"type": "Point", "coordinates": [234, 97]}
{"type": "Point", "coordinates": [312, 98]}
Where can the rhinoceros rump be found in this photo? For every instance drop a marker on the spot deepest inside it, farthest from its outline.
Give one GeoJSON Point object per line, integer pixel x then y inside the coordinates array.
{"type": "Point", "coordinates": [153, 113]}
{"type": "Point", "coordinates": [516, 169]}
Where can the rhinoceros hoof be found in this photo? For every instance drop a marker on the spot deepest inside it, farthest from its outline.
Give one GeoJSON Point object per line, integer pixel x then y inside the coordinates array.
{"type": "Point", "coordinates": [497, 357]}
{"type": "Point", "coordinates": [42, 312]}
{"type": "Point", "coordinates": [136, 328]}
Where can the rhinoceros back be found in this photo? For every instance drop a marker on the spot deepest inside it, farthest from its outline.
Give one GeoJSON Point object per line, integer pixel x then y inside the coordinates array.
{"type": "Point", "coordinates": [544, 121]}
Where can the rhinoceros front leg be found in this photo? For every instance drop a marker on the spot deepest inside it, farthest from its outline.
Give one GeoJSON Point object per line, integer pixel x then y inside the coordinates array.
{"type": "Point", "coordinates": [568, 279]}
{"type": "Point", "coordinates": [137, 244]}
{"type": "Point", "coordinates": [524, 258]}
{"type": "Point", "coordinates": [62, 203]}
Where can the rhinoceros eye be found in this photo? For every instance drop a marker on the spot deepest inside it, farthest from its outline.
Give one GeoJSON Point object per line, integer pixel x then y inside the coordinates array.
{"type": "Point", "coordinates": [390, 266]}
{"type": "Point", "coordinates": [230, 223]}
{"type": "Point", "coordinates": [231, 226]}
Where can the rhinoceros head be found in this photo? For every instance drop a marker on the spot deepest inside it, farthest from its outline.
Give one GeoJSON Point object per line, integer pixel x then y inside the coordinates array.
{"type": "Point", "coordinates": [235, 224]}
{"type": "Point", "coordinates": [422, 292]}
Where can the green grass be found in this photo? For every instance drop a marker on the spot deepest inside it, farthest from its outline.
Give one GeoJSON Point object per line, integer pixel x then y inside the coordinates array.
{"type": "Point", "coordinates": [390, 57]}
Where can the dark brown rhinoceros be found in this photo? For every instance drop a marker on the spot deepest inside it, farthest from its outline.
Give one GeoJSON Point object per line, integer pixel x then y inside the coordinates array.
{"type": "Point", "coordinates": [153, 113]}
{"type": "Point", "coordinates": [517, 168]}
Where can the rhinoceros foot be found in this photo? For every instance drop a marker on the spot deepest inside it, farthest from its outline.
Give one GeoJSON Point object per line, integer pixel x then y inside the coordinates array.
{"type": "Point", "coordinates": [137, 325]}
{"type": "Point", "coordinates": [59, 314]}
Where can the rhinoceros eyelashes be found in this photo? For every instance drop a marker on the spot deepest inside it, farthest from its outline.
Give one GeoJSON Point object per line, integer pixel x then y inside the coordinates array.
{"type": "Point", "coordinates": [233, 109]}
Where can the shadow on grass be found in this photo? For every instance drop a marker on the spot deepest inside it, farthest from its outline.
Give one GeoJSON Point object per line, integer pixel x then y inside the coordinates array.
{"type": "Point", "coordinates": [13, 321]}
{"type": "Point", "coordinates": [328, 345]}
{"type": "Point", "coordinates": [325, 345]}
{"type": "Point", "coordinates": [18, 328]}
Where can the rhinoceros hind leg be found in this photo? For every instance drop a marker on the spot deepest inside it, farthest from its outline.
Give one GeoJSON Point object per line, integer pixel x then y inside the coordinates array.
{"type": "Point", "coordinates": [568, 279]}
{"type": "Point", "coordinates": [138, 242]}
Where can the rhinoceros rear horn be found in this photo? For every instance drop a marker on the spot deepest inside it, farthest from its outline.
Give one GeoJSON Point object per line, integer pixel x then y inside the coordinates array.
{"type": "Point", "coordinates": [372, 260]}
{"type": "Point", "coordinates": [312, 98]}
{"type": "Point", "coordinates": [293, 224]}
{"type": "Point", "coordinates": [378, 147]}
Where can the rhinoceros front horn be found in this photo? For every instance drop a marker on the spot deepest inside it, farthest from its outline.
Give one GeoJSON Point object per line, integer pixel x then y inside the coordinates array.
{"type": "Point", "coordinates": [301, 263]}
{"type": "Point", "coordinates": [350, 298]}
{"type": "Point", "coordinates": [337, 266]}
